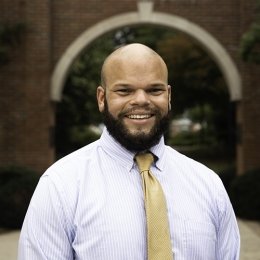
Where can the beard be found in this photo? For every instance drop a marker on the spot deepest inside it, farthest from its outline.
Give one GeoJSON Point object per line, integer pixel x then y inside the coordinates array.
{"type": "Point", "coordinates": [139, 141]}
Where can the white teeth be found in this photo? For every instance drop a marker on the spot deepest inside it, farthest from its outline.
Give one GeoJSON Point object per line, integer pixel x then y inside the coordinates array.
{"type": "Point", "coordinates": [139, 116]}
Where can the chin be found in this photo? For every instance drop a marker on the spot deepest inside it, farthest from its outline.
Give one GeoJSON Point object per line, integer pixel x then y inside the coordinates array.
{"type": "Point", "coordinates": [138, 129]}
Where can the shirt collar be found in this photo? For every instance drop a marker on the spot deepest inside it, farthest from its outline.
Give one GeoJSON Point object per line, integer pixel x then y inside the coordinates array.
{"type": "Point", "coordinates": [125, 157]}
{"type": "Point", "coordinates": [158, 151]}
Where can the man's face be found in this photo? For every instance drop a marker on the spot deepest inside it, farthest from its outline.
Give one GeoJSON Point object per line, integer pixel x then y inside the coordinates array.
{"type": "Point", "coordinates": [135, 102]}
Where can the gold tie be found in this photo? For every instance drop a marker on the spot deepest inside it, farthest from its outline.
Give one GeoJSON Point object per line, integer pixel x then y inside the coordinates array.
{"type": "Point", "coordinates": [158, 234]}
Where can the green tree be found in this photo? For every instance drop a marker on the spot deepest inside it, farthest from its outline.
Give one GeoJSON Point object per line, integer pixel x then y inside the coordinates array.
{"type": "Point", "coordinates": [197, 83]}
{"type": "Point", "coordinates": [194, 76]}
{"type": "Point", "coordinates": [250, 42]}
{"type": "Point", "coordinates": [78, 108]}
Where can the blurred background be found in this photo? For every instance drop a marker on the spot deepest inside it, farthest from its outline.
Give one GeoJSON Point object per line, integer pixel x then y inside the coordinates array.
{"type": "Point", "coordinates": [51, 53]}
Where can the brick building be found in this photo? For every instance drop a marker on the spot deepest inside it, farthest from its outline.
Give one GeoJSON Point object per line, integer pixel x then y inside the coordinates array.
{"type": "Point", "coordinates": [57, 31]}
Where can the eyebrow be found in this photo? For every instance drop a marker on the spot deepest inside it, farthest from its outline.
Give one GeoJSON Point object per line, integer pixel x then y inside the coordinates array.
{"type": "Point", "coordinates": [156, 84]}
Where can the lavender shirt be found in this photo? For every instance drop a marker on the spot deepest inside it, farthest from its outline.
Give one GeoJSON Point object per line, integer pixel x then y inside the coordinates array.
{"type": "Point", "coordinates": [90, 206]}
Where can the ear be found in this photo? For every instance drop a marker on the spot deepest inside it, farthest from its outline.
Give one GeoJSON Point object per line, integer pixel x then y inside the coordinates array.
{"type": "Point", "coordinates": [101, 98]}
{"type": "Point", "coordinates": [169, 97]}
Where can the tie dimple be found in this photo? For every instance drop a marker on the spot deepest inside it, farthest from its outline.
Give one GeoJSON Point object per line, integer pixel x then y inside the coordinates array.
{"type": "Point", "coordinates": [144, 161]}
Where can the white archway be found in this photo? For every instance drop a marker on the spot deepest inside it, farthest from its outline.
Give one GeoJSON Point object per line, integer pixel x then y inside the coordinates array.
{"type": "Point", "coordinates": [145, 15]}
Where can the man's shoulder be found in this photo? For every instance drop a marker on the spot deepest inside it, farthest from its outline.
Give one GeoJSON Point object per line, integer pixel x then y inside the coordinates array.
{"type": "Point", "coordinates": [195, 172]}
{"type": "Point", "coordinates": [74, 160]}
{"type": "Point", "coordinates": [177, 154]}
{"type": "Point", "coordinates": [180, 159]}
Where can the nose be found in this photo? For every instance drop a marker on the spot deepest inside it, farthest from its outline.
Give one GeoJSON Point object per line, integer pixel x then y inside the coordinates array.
{"type": "Point", "coordinates": [140, 98]}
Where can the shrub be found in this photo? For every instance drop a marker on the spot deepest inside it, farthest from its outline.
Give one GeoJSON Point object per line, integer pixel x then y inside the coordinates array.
{"type": "Point", "coordinates": [227, 176]}
{"type": "Point", "coordinates": [245, 195]}
{"type": "Point", "coordinates": [16, 188]}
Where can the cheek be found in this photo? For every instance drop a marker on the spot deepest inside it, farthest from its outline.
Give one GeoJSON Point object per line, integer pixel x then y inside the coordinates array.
{"type": "Point", "coordinates": [115, 107]}
{"type": "Point", "coordinates": [162, 104]}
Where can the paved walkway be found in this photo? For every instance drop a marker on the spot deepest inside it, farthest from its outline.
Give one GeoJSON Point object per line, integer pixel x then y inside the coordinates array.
{"type": "Point", "coordinates": [250, 242]}
{"type": "Point", "coordinates": [8, 245]}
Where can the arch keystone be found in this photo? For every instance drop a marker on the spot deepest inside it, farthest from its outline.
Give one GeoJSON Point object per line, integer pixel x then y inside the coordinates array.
{"type": "Point", "coordinates": [145, 9]}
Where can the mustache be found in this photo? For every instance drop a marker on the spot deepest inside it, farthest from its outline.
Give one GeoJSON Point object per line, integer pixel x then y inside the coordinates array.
{"type": "Point", "coordinates": [154, 111]}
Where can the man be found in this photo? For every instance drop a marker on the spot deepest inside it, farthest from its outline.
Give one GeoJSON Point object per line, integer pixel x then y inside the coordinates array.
{"type": "Point", "coordinates": [91, 204]}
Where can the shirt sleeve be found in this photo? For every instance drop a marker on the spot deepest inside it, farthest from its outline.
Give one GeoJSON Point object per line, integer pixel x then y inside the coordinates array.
{"type": "Point", "coordinates": [228, 238]}
{"type": "Point", "coordinates": [45, 234]}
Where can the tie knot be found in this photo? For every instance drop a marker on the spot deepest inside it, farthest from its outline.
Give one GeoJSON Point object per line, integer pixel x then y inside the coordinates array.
{"type": "Point", "coordinates": [144, 161]}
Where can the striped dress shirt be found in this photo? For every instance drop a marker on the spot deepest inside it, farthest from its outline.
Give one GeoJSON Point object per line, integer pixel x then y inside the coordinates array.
{"type": "Point", "coordinates": [90, 206]}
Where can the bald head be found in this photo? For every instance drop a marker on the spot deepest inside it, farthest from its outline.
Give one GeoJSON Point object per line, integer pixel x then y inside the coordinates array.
{"type": "Point", "coordinates": [136, 54]}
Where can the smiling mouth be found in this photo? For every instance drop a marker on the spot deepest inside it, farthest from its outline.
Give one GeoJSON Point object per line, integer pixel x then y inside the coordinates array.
{"type": "Point", "coordinates": [139, 116]}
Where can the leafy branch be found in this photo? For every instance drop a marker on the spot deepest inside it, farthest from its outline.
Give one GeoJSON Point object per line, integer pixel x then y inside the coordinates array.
{"type": "Point", "coordinates": [250, 42]}
{"type": "Point", "coordinates": [10, 36]}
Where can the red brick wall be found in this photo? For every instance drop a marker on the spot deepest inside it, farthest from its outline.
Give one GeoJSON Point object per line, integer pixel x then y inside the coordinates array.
{"type": "Point", "coordinates": [25, 108]}
{"type": "Point", "coordinates": [250, 142]}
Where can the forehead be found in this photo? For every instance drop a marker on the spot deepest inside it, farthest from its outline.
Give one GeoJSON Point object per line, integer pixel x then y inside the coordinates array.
{"type": "Point", "coordinates": [135, 64]}
{"type": "Point", "coordinates": [133, 53]}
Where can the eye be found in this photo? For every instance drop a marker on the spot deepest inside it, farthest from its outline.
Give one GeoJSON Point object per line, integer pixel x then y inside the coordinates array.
{"type": "Point", "coordinates": [156, 91]}
{"type": "Point", "coordinates": [123, 91]}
